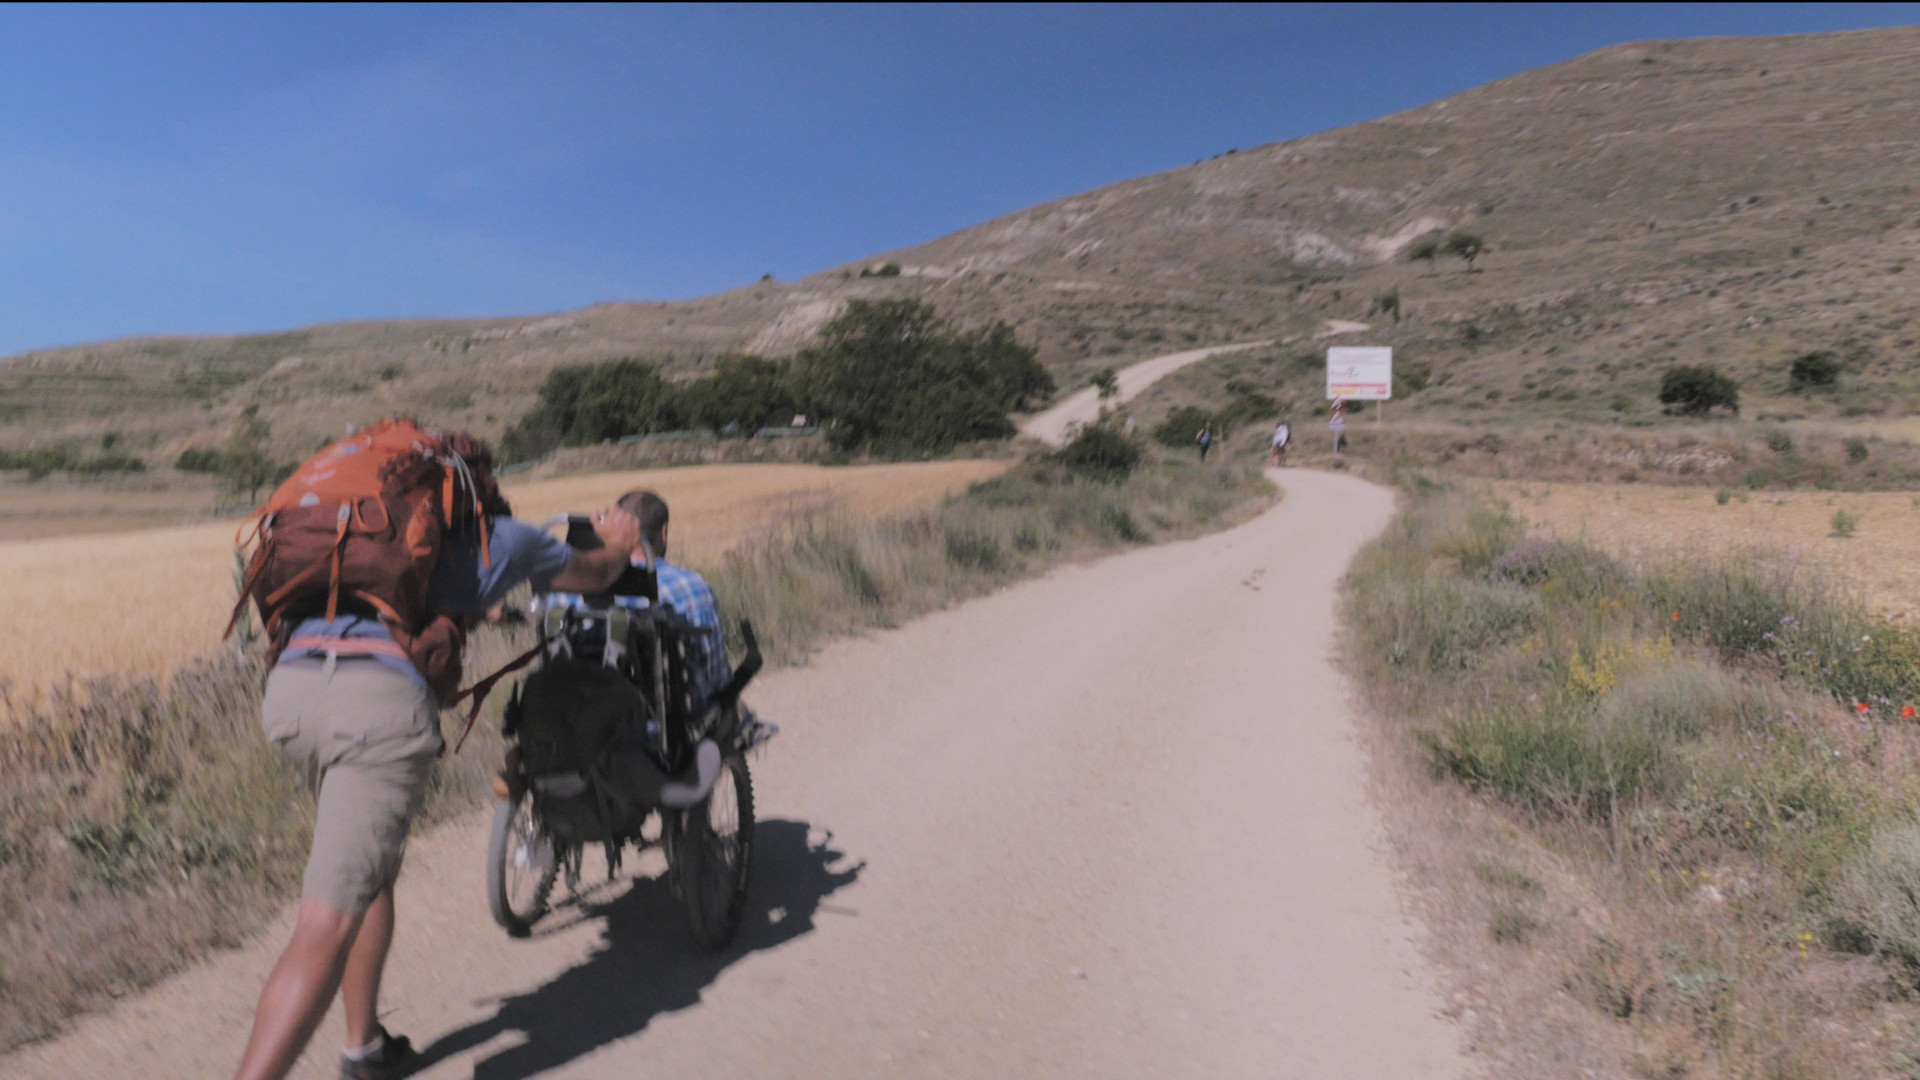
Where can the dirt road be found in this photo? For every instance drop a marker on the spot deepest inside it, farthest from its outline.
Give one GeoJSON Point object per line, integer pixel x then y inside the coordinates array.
{"type": "Point", "coordinates": [1083, 405]}
{"type": "Point", "coordinates": [1105, 824]}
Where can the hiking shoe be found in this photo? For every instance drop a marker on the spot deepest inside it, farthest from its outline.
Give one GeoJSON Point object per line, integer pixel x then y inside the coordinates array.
{"type": "Point", "coordinates": [393, 1058]}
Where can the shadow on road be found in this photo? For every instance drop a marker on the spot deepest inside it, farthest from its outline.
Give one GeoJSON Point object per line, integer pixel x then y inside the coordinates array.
{"type": "Point", "coordinates": [648, 964]}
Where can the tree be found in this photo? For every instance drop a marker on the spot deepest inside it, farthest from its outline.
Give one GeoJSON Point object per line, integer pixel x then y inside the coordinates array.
{"type": "Point", "coordinates": [1697, 389]}
{"type": "Point", "coordinates": [625, 397]}
{"type": "Point", "coordinates": [892, 374]}
{"type": "Point", "coordinates": [245, 464]}
{"type": "Point", "coordinates": [1024, 384]}
{"type": "Point", "coordinates": [1820, 368]}
{"type": "Point", "coordinates": [1467, 245]}
{"type": "Point", "coordinates": [745, 391]}
{"type": "Point", "coordinates": [590, 403]}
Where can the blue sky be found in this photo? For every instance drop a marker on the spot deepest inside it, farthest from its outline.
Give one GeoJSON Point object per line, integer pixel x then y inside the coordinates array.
{"type": "Point", "coordinates": [225, 169]}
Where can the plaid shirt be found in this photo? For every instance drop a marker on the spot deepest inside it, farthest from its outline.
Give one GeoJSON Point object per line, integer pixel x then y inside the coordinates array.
{"type": "Point", "coordinates": [687, 593]}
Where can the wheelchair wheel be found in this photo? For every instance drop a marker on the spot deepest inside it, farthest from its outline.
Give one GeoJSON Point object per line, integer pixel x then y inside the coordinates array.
{"type": "Point", "coordinates": [521, 867]}
{"type": "Point", "coordinates": [710, 856]}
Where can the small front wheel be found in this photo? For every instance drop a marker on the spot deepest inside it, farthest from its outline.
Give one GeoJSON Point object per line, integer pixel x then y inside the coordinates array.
{"type": "Point", "coordinates": [521, 866]}
{"type": "Point", "coordinates": [710, 855]}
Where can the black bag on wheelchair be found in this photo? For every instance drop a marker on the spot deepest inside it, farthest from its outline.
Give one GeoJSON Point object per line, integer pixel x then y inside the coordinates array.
{"type": "Point", "coordinates": [571, 711]}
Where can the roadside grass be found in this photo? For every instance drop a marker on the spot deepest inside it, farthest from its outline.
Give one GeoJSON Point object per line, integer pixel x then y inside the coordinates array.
{"type": "Point", "coordinates": [144, 821]}
{"type": "Point", "coordinates": [1722, 751]}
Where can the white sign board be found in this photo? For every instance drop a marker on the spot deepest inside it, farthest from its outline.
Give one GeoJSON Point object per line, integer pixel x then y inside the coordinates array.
{"type": "Point", "coordinates": [1359, 373]}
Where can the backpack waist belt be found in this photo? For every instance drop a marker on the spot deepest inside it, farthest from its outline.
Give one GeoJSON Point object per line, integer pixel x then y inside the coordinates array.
{"type": "Point", "coordinates": [347, 647]}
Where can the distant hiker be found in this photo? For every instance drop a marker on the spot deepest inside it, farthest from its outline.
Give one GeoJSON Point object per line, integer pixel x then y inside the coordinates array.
{"type": "Point", "coordinates": [1337, 423]}
{"type": "Point", "coordinates": [1282, 434]}
{"type": "Point", "coordinates": [373, 560]}
{"type": "Point", "coordinates": [1205, 440]}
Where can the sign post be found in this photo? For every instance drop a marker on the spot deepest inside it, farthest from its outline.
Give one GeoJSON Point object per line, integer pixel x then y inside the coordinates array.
{"type": "Point", "coordinates": [1358, 373]}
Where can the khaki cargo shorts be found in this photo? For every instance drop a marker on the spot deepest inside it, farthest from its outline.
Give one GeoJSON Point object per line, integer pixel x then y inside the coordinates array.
{"type": "Point", "coordinates": [364, 738]}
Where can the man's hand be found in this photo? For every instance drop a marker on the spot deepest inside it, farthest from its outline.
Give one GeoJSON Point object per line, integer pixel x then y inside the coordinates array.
{"type": "Point", "coordinates": [592, 571]}
{"type": "Point", "coordinates": [618, 529]}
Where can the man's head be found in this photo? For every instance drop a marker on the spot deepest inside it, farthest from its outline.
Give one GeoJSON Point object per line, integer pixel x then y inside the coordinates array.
{"type": "Point", "coordinates": [651, 511]}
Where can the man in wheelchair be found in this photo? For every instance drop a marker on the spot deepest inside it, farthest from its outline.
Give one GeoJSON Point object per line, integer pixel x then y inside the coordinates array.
{"type": "Point", "coordinates": [684, 593]}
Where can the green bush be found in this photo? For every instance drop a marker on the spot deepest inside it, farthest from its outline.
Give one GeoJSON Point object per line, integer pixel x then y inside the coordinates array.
{"type": "Point", "coordinates": [1813, 369]}
{"type": "Point", "coordinates": [1844, 523]}
{"type": "Point", "coordinates": [1779, 442]}
{"type": "Point", "coordinates": [1697, 389]}
{"type": "Point", "coordinates": [198, 459]}
{"type": "Point", "coordinates": [1098, 452]}
{"type": "Point", "coordinates": [1182, 424]}
{"type": "Point", "coordinates": [1856, 448]}
{"type": "Point", "coordinates": [1550, 759]}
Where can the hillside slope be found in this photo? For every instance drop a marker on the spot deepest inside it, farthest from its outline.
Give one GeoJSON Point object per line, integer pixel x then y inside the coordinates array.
{"type": "Point", "coordinates": [1728, 200]}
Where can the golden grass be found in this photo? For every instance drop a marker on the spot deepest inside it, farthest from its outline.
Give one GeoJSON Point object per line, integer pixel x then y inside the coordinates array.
{"type": "Point", "coordinates": [1880, 562]}
{"type": "Point", "coordinates": [49, 508]}
{"type": "Point", "coordinates": [146, 602]}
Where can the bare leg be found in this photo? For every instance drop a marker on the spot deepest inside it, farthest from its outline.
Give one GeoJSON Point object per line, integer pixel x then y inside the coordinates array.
{"type": "Point", "coordinates": [299, 990]}
{"type": "Point", "coordinates": [360, 986]}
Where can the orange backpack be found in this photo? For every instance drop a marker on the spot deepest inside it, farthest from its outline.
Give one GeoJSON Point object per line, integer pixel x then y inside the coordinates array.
{"type": "Point", "coordinates": [361, 523]}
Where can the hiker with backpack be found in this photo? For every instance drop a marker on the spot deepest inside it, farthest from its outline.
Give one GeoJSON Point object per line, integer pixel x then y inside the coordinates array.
{"type": "Point", "coordinates": [373, 560]}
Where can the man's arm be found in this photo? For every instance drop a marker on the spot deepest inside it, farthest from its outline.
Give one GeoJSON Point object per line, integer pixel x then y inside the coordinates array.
{"type": "Point", "coordinates": [596, 570]}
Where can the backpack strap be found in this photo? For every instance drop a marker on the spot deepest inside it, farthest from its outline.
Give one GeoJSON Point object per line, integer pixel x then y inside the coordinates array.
{"type": "Point", "coordinates": [479, 690]}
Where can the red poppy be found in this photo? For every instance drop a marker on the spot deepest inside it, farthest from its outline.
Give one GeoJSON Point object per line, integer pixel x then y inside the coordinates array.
{"type": "Point", "coordinates": [1906, 713]}
{"type": "Point", "coordinates": [1861, 708]}
{"type": "Point", "coordinates": [1676, 616]}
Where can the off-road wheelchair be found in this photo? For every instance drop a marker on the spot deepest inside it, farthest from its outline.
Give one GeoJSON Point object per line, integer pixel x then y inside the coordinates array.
{"type": "Point", "coordinates": [608, 736]}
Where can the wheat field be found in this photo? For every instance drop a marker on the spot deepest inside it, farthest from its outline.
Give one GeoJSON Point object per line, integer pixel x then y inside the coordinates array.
{"type": "Point", "coordinates": [1880, 562]}
{"type": "Point", "coordinates": [142, 603]}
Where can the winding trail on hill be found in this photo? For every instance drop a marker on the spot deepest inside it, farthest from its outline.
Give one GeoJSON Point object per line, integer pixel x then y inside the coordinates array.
{"type": "Point", "coordinates": [1083, 405]}
{"type": "Point", "coordinates": [1109, 823]}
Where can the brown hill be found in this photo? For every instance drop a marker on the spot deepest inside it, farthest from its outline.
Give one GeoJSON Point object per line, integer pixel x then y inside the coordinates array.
{"type": "Point", "coordinates": [1735, 201]}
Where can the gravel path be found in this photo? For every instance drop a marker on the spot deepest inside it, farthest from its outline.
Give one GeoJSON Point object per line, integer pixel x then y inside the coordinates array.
{"type": "Point", "coordinates": [1109, 823]}
{"type": "Point", "coordinates": [1082, 406]}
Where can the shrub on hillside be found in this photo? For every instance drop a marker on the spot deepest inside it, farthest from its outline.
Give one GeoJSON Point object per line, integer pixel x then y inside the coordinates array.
{"type": "Point", "coordinates": [1183, 424]}
{"type": "Point", "coordinates": [198, 459]}
{"type": "Point", "coordinates": [1466, 245]}
{"type": "Point", "coordinates": [1100, 453]}
{"type": "Point", "coordinates": [110, 461]}
{"type": "Point", "coordinates": [1697, 389]}
{"type": "Point", "coordinates": [1814, 369]}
